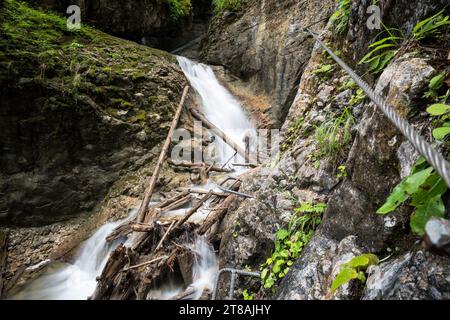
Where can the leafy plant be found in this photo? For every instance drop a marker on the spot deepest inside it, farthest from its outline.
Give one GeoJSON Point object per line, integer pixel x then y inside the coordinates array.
{"type": "Point", "coordinates": [341, 16]}
{"type": "Point", "coordinates": [342, 172]}
{"type": "Point", "coordinates": [382, 51]}
{"type": "Point", "coordinates": [357, 98]}
{"type": "Point", "coordinates": [354, 269]}
{"type": "Point", "coordinates": [292, 133]}
{"type": "Point", "coordinates": [323, 69]}
{"type": "Point", "coordinates": [230, 5]}
{"type": "Point", "coordinates": [179, 9]}
{"type": "Point", "coordinates": [423, 189]}
{"type": "Point", "coordinates": [290, 242]}
{"type": "Point", "coordinates": [431, 27]}
{"type": "Point", "coordinates": [443, 112]}
{"type": "Point", "coordinates": [247, 295]}
{"type": "Point", "coordinates": [334, 134]}
{"type": "Point", "coordinates": [434, 86]}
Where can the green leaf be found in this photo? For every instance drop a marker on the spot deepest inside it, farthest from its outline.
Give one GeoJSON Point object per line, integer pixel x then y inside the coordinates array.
{"type": "Point", "coordinates": [433, 208]}
{"type": "Point", "coordinates": [420, 165]}
{"type": "Point", "coordinates": [282, 234]}
{"type": "Point", "coordinates": [344, 276]}
{"type": "Point", "coordinates": [438, 109]}
{"type": "Point", "coordinates": [264, 273]}
{"type": "Point", "coordinates": [433, 187]}
{"type": "Point", "coordinates": [284, 253]}
{"type": "Point", "coordinates": [276, 268]}
{"type": "Point", "coordinates": [437, 82]}
{"type": "Point", "coordinates": [363, 261]}
{"type": "Point", "coordinates": [393, 38]}
{"type": "Point", "coordinates": [406, 188]}
{"type": "Point", "coordinates": [441, 133]}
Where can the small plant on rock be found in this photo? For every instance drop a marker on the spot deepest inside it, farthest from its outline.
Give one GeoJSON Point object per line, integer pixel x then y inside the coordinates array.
{"type": "Point", "coordinates": [423, 190]}
{"type": "Point", "coordinates": [247, 295]}
{"type": "Point", "coordinates": [334, 134]}
{"type": "Point", "coordinates": [442, 113]}
{"type": "Point", "coordinates": [431, 27]}
{"type": "Point", "coordinates": [341, 16]}
{"type": "Point", "coordinates": [227, 5]}
{"type": "Point", "coordinates": [435, 84]}
{"type": "Point", "coordinates": [382, 51]}
{"type": "Point", "coordinates": [354, 269]}
{"type": "Point", "coordinates": [290, 242]}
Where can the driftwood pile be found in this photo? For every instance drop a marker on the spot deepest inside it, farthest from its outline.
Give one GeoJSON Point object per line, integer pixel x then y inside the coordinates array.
{"type": "Point", "coordinates": [157, 250]}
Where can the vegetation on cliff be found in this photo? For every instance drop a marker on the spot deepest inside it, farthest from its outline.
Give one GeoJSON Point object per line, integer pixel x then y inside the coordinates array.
{"type": "Point", "coordinates": [87, 97]}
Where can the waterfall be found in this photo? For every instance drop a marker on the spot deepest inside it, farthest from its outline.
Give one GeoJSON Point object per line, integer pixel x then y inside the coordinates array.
{"type": "Point", "coordinates": [74, 281]}
{"type": "Point", "coordinates": [78, 280]}
{"type": "Point", "coordinates": [219, 107]}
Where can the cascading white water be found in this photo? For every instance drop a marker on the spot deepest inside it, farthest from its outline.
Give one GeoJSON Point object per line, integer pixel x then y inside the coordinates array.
{"type": "Point", "coordinates": [219, 107]}
{"type": "Point", "coordinates": [227, 113]}
{"type": "Point", "coordinates": [74, 281]}
{"type": "Point", "coordinates": [78, 281]}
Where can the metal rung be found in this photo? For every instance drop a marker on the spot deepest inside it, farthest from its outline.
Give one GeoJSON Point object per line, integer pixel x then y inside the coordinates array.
{"type": "Point", "coordinates": [234, 273]}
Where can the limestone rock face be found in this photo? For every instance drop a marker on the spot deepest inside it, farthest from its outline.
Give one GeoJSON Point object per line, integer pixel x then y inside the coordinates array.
{"type": "Point", "coordinates": [77, 115]}
{"type": "Point", "coordinates": [375, 158]}
{"type": "Point", "coordinates": [416, 275]}
{"type": "Point", "coordinates": [264, 44]}
{"type": "Point", "coordinates": [373, 163]}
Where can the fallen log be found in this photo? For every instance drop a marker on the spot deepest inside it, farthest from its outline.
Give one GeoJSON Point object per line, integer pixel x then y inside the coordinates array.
{"type": "Point", "coordinates": [129, 226]}
{"type": "Point", "coordinates": [185, 218]}
{"type": "Point", "coordinates": [144, 264]}
{"type": "Point", "coordinates": [193, 210]}
{"type": "Point", "coordinates": [199, 166]}
{"type": "Point", "coordinates": [199, 116]}
{"type": "Point", "coordinates": [204, 191]}
{"type": "Point", "coordinates": [115, 264]}
{"type": "Point", "coordinates": [179, 203]}
{"type": "Point", "coordinates": [169, 201]}
{"type": "Point", "coordinates": [244, 195]}
{"type": "Point", "coordinates": [219, 212]}
{"type": "Point", "coordinates": [165, 236]}
{"type": "Point", "coordinates": [152, 183]}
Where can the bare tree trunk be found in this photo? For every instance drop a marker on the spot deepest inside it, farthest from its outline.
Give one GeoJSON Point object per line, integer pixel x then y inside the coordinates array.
{"type": "Point", "coordinates": [222, 135]}
{"type": "Point", "coordinates": [151, 185]}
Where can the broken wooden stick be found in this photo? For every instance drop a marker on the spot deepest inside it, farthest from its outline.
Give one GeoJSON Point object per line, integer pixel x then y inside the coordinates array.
{"type": "Point", "coordinates": [199, 116]}
{"type": "Point", "coordinates": [194, 209]}
{"type": "Point", "coordinates": [105, 281]}
{"type": "Point", "coordinates": [171, 200]}
{"type": "Point", "coordinates": [220, 212]}
{"type": "Point", "coordinates": [179, 203]}
{"type": "Point", "coordinates": [152, 183]}
{"type": "Point", "coordinates": [144, 264]}
{"type": "Point", "coordinates": [198, 166]}
{"type": "Point", "coordinates": [183, 295]}
{"type": "Point", "coordinates": [204, 191]}
{"type": "Point", "coordinates": [164, 236]}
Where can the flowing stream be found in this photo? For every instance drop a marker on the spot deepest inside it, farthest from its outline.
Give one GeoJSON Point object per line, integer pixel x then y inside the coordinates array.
{"type": "Point", "coordinates": [77, 281]}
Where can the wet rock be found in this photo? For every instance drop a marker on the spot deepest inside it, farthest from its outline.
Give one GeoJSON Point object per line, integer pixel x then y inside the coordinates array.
{"type": "Point", "coordinates": [373, 162]}
{"type": "Point", "coordinates": [416, 275]}
{"type": "Point", "coordinates": [311, 277]}
{"type": "Point", "coordinates": [269, 53]}
{"type": "Point", "coordinates": [437, 236]}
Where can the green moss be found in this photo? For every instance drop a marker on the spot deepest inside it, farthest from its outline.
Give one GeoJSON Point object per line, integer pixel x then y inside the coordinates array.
{"type": "Point", "coordinates": [227, 5]}
{"type": "Point", "coordinates": [122, 103]}
{"type": "Point", "coordinates": [140, 116]}
{"type": "Point", "coordinates": [179, 9]}
{"type": "Point", "coordinates": [138, 76]}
